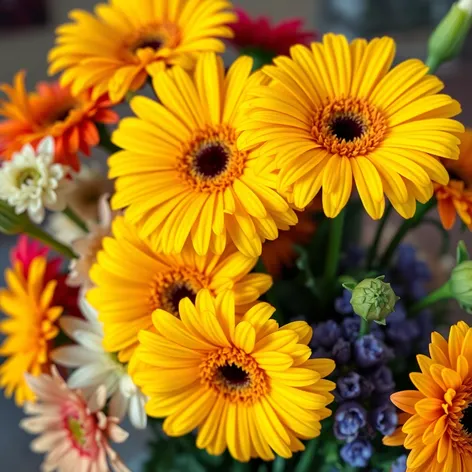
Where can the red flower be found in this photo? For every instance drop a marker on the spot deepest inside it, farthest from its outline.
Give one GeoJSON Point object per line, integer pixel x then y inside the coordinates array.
{"type": "Point", "coordinates": [26, 251]}
{"type": "Point", "coordinates": [257, 34]}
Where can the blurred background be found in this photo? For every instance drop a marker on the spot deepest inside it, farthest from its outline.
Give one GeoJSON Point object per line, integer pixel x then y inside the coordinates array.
{"type": "Point", "coordinates": [27, 34]}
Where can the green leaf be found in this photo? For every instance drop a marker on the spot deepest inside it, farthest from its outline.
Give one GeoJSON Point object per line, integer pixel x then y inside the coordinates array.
{"type": "Point", "coordinates": [462, 254]}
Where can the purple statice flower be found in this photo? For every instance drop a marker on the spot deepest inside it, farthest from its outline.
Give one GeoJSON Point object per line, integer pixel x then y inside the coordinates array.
{"type": "Point", "coordinates": [325, 334]}
{"type": "Point", "coordinates": [402, 332]}
{"type": "Point", "coordinates": [369, 351]}
{"type": "Point", "coordinates": [367, 388]}
{"type": "Point", "coordinates": [349, 386]}
{"type": "Point", "coordinates": [342, 304]}
{"type": "Point", "coordinates": [357, 453]}
{"type": "Point", "coordinates": [399, 465]}
{"type": "Point", "coordinates": [348, 420]}
{"type": "Point", "coordinates": [341, 352]}
{"type": "Point", "coordinates": [384, 419]}
{"type": "Point", "coordinates": [409, 266]}
{"type": "Point", "coordinates": [350, 327]}
{"type": "Point", "coordinates": [382, 379]}
{"type": "Point", "coordinates": [398, 315]}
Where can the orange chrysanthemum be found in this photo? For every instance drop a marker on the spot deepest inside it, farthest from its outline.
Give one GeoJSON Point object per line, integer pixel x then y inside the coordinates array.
{"type": "Point", "coordinates": [456, 197]}
{"type": "Point", "coordinates": [439, 428]}
{"type": "Point", "coordinates": [51, 111]}
{"type": "Point", "coordinates": [281, 252]}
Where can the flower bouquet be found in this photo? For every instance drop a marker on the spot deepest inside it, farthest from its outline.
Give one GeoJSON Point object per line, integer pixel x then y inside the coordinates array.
{"type": "Point", "coordinates": [223, 291]}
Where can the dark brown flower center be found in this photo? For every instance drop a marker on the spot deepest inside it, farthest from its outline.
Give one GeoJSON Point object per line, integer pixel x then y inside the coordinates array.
{"type": "Point", "coordinates": [212, 159]}
{"type": "Point", "coordinates": [234, 376]}
{"type": "Point", "coordinates": [178, 292]}
{"type": "Point", "coordinates": [153, 43]}
{"type": "Point", "coordinates": [347, 127]}
{"type": "Point", "coordinates": [466, 419]}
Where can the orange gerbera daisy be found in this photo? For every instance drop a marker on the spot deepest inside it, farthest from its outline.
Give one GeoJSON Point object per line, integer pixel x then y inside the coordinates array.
{"type": "Point", "coordinates": [456, 197]}
{"type": "Point", "coordinates": [439, 428]}
{"type": "Point", "coordinates": [281, 252]}
{"type": "Point", "coordinates": [114, 50]}
{"type": "Point", "coordinates": [51, 111]}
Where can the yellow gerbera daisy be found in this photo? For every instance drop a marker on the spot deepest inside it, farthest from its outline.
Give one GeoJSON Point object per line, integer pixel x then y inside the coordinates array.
{"type": "Point", "coordinates": [29, 327]}
{"type": "Point", "coordinates": [439, 428]}
{"type": "Point", "coordinates": [114, 50]}
{"type": "Point", "coordinates": [181, 173]}
{"type": "Point", "coordinates": [334, 114]}
{"type": "Point", "coordinates": [132, 281]}
{"type": "Point", "coordinates": [247, 385]}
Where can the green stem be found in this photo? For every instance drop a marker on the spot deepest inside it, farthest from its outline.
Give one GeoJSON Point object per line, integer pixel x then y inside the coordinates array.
{"type": "Point", "coordinates": [334, 251]}
{"type": "Point", "coordinates": [433, 64]}
{"type": "Point", "coordinates": [378, 237]}
{"type": "Point", "coordinates": [279, 464]}
{"type": "Point", "coordinates": [364, 329]}
{"type": "Point", "coordinates": [74, 217]}
{"type": "Point", "coordinates": [37, 233]}
{"type": "Point", "coordinates": [407, 225]}
{"type": "Point", "coordinates": [442, 293]}
{"type": "Point", "coordinates": [105, 139]}
{"type": "Point", "coordinates": [306, 460]}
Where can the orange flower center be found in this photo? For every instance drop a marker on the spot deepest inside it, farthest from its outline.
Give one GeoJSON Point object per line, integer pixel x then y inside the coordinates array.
{"type": "Point", "coordinates": [235, 375]}
{"type": "Point", "coordinates": [349, 127]}
{"type": "Point", "coordinates": [458, 407]}
{"type": "Point", "coordinates": [167, 289]}
{"type": "Point", "coordinates": [153, 36]}
{"type": "Point", "coordinates": [210, 161]}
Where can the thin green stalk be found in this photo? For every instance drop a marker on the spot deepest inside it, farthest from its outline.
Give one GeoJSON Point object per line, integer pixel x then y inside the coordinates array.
{"type": "Point", "coordinates": [75, 218]}
{"type": "Point", "coordinates": [105, 139]}
{"type": "Point", "coordinates": [372, 254]}
{"type": "Point", "coordinates": [407, 225]}
{"type": "Point", "coordinates": [279, 464]}
{"type": "Point", "coordinates": [37, 233]}
{"type": "Point", "coordinates": [364, 329]}
{"type": "Point", "coordinates": [334, 249]}
{"type": "Point", "coordinates": [306, 460]}
{"type": "Point", "coordinates": [442, 293]}
{"type": "Point", "coordinates": [433, 64]}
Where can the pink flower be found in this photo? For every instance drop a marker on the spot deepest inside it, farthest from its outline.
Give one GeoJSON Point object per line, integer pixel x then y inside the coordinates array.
{"type": "Point", "coordinates": [257, 34]}
{"type": "Point", "coordinates": [74, 433]}
{"type": "Point", "coordinates": [27, 250]}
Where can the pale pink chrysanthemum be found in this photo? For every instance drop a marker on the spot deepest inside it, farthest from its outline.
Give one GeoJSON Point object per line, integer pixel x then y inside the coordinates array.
{"type": "Point", "coordinates": [74, 433]}
{"type": "Point", "coordinates": [88, 246]}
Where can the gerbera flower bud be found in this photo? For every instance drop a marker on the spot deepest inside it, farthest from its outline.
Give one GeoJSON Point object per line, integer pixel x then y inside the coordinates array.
{"type": "Point", "coordinates": [10, 222]}
{"type": "Point", "coordinates": [373, 299]}
{"type": "Point", "coordinates": [461, 285]}
{"type": "Point", "coordinates": [448, 37]}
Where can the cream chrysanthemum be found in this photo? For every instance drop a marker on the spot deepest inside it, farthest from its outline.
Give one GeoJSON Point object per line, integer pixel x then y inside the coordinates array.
{"type": "Point", "coordinates": [335, 115]}
{"type": "Point", "coordinates": [247, 384]}
{"type": "Point", "coordinates": [31, 182]}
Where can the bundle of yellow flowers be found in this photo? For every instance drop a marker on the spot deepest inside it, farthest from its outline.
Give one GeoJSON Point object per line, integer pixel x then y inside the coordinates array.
{"type": "Point", "coordinates": [220, 290]}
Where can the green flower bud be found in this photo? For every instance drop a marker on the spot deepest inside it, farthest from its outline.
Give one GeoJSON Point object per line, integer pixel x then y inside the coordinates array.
{"type": "Point", "coordinates": [447, 39]}
{"type": "Point", "coordinates": [10, 222]}
{"type": "Point", "coordinates": [460, 285]}
{"type": "Point", "coordinates": [373, 299]}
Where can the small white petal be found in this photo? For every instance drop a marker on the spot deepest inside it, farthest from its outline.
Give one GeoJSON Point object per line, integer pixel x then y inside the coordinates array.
{"type": "Point", "coordinates": [89, 340]}
{"type": "Point", "coordinates": [137, 412]}
{"type": "Point", "coordinates": [118, 405]}
{"type": "Point", "coordinates": [89, 375]}
{"type": "Point", "coordinates": [46, 146]}
{"type": "Point", "coordinates": [73, 356]}
{"type": "Point", "coordinates": [26, 152]}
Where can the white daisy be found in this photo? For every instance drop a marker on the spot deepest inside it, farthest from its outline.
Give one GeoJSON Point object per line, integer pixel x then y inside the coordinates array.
{"type": "Point", "coordinates": [32, 182]}
{"type": "Point", "coordinates": [95, 367]}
